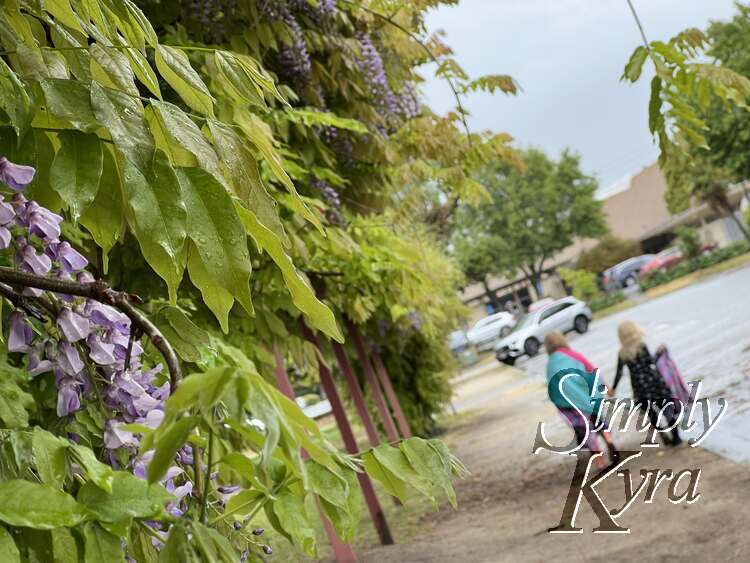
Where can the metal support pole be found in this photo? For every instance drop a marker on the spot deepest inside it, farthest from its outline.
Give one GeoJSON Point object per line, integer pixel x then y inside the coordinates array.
{"type": "Point", "coordinates": [377, 393]}
{"type": "Point", "coordinates": [343, 552]}
{"type": "Point", "coordinates": [385, 379]}
{"type": "Point", "coordinates": [356, 392]}
{"type": "Point", "coordinates": [350, 443]}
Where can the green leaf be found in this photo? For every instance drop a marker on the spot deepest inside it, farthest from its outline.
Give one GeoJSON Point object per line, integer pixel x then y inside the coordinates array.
{"type": "Point", "coordinates": [159, 219]}
{"type": "Point", "coordinates": [315, 118]}
{"type": "Point", "coordinates": [99, 473]}
{"type": "Point", "coordinates": [143, 70]}
{"type": "Point", "coordinates": [110, 67]}
{"type": "Point", "coordinates": [260, 136]}
{"type": "Point", "coordinates": [212, 545]}
{"type": "Point", "coordinates": [243, 503]}
{"type": "Point", "coordinates": [76, 170]}
{"type": "Point", "coordinates": [63, 13]}
{"type": "Point", "coordinates": [238, 82]}
{"type": "Point", "coordinates": [655, 117]}
{"type": "Point", "coordinates": [64, 546]}
{"type": "Point", "coordinates": [302, 294]}
{"type": "Point", "coordinates": [70, 101]}
{"type": "Point", "coordinates": [49, 456]}
{"type": "Point", "coordinates": [185, 336]}
{"type": "Point", "coordinates": [242, 171]}
{"type": "Point", "coordinates": [41, 507]}
{"type": "Point", "coordinates": [634, 67]}
{"type": "Point", "coordinates": [202, 390]}
{"type": "Point", "coordinates": [131, 497]}
{"type": "Point", "coordinates": [14, 401]}
{"type": "Point", "coordinates": [218, 236]}
{"type": "Point", "coordinates": [392, 483]}
{"type": "Point", "coordinates": [431, 465]}
{"type": "Point", "coordinates": [346, 521]}
{"type": "Point", "coordinates": [166, 444]}
{"type": "Point", "coordinates": [239, 463]}
{"type": "Point", "coordinates": [8, 551]}
{"type": "Point", "coordinates": [397, 463]}
{"type": "Point", "coordinates": [179, 548]}
{"type": "Point", "coordinates": [290, 511]}
{"type": "Point", "coordinates": [101, 546]}
{"type": "Point", "coordinates": [327, 484]}
{"type": "Point", "coordinates": [105, 218]}
{"type": "Point", "coordinates": [15, 100]}
{"type": "Point", "coordinates": [174, 66]}
{"type": "Point", "coordinates": [178, 136]}
{"type": "Point", "coordinates": [217, 299]}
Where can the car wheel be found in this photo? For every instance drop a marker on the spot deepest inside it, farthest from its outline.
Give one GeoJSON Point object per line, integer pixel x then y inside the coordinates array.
{"type": "Point", "coordinates": [531, 347]}
{"type": "Point", "coordinates": [581, 324]}
{"type": "Point", "coordinates": [505, 331]}
{"type": "Point", "coordinates": [630, 281]}
{"type": "Point", "coordinates": [509, 361]}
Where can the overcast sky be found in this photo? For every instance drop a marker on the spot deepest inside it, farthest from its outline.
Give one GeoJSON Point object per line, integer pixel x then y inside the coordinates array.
{"type": "Point", "coordinates": [568, 56]}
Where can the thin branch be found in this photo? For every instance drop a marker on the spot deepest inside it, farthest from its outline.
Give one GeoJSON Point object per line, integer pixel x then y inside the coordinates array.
{"type": "Point", "coordinates": [100, 291]}
{"type": "Point", "coordinates": [21, 302]}
{"type": "Point", "coordinates": [640, 26]}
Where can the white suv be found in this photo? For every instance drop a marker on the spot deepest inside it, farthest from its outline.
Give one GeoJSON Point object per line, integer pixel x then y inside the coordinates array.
{"type": "Point", "coordinates": [526, 338]}
{"type": "Point", "coordinates": [484, 334]}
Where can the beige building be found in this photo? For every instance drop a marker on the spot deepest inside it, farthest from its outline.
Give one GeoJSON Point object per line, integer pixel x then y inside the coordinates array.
{"type": "Point", "coordinates": [634, 210]}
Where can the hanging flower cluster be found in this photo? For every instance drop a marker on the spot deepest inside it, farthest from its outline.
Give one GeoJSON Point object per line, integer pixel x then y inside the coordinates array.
{"type": "Point", "coordinates": [89, 346]}
{"type": "Point", "coordinates": [373, 71]}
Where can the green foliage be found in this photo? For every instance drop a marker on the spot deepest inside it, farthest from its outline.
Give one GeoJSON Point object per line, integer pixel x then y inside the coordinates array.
{"type": "Point", "coordinates": [690, 266]}
{"type": "Point", "coordinates": [581, 282]}
{"type": "Point", "coordinates": [534, 213]}
{"type": "Point", "coordinates": [606, 300]}
{"type": "Point", "coordinates": [608, 251]}
{"type": "Point", "coordinates": [178, 152]}
{"type": "Point", "coordinates": [689, 241]}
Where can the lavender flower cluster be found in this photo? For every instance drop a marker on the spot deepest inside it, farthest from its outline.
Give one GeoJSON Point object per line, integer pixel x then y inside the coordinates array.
{"type": "Point", "coordinates": [404, 103]}
{"type": "Point", "coordinates": [295, 66]}
{"type": "Point", "coordinates": [89, 342]}
{"type": "Point", "coordinates": [320, 14]}
{"type": "Point", "coordinates": [213, 16]}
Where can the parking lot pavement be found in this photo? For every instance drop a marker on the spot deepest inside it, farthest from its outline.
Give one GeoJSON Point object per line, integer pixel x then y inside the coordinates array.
{"type": "Point", "coordinates": [706, 327]}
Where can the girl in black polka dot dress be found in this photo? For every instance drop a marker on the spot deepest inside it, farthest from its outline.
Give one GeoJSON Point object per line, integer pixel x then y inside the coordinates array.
{"type": "Point", "coordinates": [649, 388]}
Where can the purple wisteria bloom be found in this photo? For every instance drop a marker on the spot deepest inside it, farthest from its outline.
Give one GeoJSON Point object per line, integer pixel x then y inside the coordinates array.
{"type": "Point", "coordinates": [21, 333]}
{"type": "Point", "coordinates": [38, 264]}
{"type": "Point", "coordinates": [42, 222]}
{"type": "Point", "coordinates": [73, 326]}
{"type": "Point", "coordinates": [100, 351]}
{"type": "Point", "coordinates": [5, 238]}
{"type": "Point", "coordinates": [70, 258]}
{"type": "Point", "coordinates": [69, 359]}
{"type": "Point", "coordinates": [68, 400]}
{"type": "Point", "coordinates": [16, 176]}
{"type": "Point", "coordinates": [7, 213]}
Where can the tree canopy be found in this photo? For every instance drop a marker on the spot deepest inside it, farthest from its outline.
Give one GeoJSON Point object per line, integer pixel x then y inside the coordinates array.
{"type": "Point", "coordinates": [534, 212]}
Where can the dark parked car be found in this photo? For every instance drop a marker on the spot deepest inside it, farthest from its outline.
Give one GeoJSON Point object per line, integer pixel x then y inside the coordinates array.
{"type": "Point", "coordinates": [625, 274]}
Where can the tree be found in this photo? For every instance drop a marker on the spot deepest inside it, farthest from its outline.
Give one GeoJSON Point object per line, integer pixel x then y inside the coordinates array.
{"type": "Point", "coordinates": [689, 99]}
{"type": "Point", "coordinates": [689, 241]}
{"type": "Point", "coordinates": [609, 251]}
{"type": "Point", "coordinates": [534, 212]}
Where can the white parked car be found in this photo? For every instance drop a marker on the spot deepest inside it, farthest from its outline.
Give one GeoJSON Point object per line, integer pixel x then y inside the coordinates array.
{"type": "Point", "coordinates": [487, 330]}
{"type": "Point", "coordinates": [565, 315]}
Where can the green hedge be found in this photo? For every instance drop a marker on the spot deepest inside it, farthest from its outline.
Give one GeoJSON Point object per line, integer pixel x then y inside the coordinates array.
{"type": "Point", "coordinates": [689, 266]}
{"type": "Point", "coordinates": [604, 301]}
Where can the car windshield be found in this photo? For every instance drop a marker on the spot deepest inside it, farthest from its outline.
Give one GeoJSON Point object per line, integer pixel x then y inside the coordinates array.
{"type": "Point", "coordinates": [523, 322]}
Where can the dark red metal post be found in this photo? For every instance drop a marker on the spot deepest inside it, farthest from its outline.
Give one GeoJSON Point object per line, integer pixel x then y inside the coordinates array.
{"type": "Point", "coordinates": [343, 552]}
{"type": "Point", "coordinates": [377, 393]}
{"type": "Point", "coordinates": [385, 379]}
{"type": "Point", "coordinates": [350, 443]}
{"type": "Point", "coordinates": [356, 391]}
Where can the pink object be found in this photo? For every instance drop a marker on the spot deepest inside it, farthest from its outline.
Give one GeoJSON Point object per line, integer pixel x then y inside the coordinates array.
{"type": "Point", "coordinates": [577, 356]}
{"type": "Point", "coordinates": [672, 377]}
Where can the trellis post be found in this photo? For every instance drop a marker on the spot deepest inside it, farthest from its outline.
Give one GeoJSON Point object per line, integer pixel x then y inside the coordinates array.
{"type": "Point", "coordinates": [385, 379]}
{"type": "Point", "coordinates": [356, 392]}
{"type": "Point", "coordinates": [377, 393]}
{"type": "Point", "coordinates": [350, 442]}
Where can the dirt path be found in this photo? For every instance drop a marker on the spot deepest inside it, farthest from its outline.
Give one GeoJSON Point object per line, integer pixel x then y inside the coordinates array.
{"type": "Point", "coordinates": [512, 497]}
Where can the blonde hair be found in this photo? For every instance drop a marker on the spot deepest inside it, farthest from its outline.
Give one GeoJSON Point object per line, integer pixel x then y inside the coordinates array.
{"type": "Point", "coordinates": [631, 339]}
{"type": "Point", "coordinates": [554, 341]}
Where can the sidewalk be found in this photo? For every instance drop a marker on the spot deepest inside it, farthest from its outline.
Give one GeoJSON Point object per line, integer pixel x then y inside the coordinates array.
{"type": "Point", "coordinates": [512, 497]}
